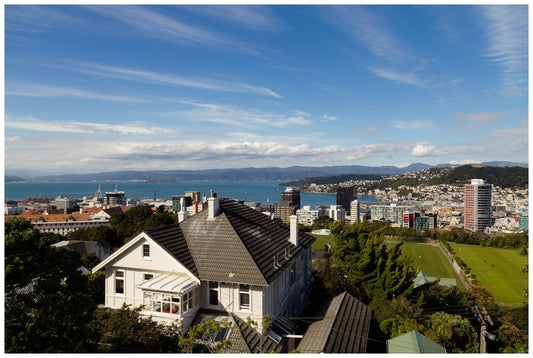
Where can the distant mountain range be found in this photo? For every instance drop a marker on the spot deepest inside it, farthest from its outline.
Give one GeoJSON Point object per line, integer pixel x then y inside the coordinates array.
{"type": "Point", "coordinates": [248, 174]}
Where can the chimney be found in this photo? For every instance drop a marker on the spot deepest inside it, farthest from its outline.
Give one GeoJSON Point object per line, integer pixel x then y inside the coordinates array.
{"type": "Point", "coordinates": [294, 230]}
{"type": "Point", "coordinates": [182, 215]}
{"type": "Point", "coordinates": [212, 204]}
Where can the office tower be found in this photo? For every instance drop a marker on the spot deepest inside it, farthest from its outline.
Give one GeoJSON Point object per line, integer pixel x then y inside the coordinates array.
{"type": "Point", "coordinates": [291, 196]}
{"type": "Point", "coordinates": [477, 207]}
{"type": "Point", "coordinates": [345, 195]}
{"type": "Point", "coordinates": [115, 198]}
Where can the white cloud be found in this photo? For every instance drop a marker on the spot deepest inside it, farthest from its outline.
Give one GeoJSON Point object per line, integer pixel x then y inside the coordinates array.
{"type": "Point", "coordinates": [409, 78]}
{"type": "Point", "coordinates": [170, 79]}
{"type": "Point", "coordinates": [38, 90]}
{"type": "Point", "coordinates": [507, 33]}
{"type": "Point", "coordinates": [410, 125]}
{"type": "Point", "coordinates": [33, 124]}
{"type": "Point", "coordinates": [235, 116]}
{"type": "Point", "coordinates": [329, 118]}
{"type": "Point", "coordinates": [422, 150]}
{"type": "Point", "coordinates": [155, 25]}
{"type": "Point", "coordinates": [484, 116]}
{"type": "Point", "coordinates": [260, 18]}
{"type": "Point", "coordinates": [366, 27]}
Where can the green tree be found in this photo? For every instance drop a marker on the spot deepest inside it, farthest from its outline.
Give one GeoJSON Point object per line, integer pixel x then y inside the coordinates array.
{"type": "Point", "coordinates": [453, 332]}
{"type": "Point", "coordinates": [204, 335]}
{"type": "Point", "coordinates": [47, 300]}
{"type": "Point", "coordinates": [375, 271]}
{"type": "Point", "coordinates": [124, 330]}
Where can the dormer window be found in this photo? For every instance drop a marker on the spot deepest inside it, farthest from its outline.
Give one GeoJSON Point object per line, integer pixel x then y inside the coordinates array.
{"type": "Point", "coordinates": [146, 251]}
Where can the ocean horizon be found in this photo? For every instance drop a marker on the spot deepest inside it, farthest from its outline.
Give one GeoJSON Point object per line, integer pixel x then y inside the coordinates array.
{"type": "Point", "coordinates": [264, 192]}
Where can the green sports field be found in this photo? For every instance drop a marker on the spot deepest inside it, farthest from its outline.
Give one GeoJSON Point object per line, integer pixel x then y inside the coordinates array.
{"type": "Point", "coordinates": [505, 279]}
{"type": "Point", "coordinates": [321, 240]}
{"type": "Point", "coordinates": [430, 259]}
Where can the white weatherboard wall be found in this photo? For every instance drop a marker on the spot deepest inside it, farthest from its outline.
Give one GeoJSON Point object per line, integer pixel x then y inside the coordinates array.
{"type": "Point", "coordinates": [134, 265]}
{"type": "Point", "coordinates": [229, 300]}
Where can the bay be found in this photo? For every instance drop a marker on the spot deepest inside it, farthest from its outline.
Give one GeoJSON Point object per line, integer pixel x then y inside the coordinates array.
{"type": "Point", "coordinates": [264, 192]}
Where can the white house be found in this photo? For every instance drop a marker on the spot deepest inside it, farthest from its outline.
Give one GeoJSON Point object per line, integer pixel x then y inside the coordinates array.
{"type": "Point", "coordinates": [229, 258]}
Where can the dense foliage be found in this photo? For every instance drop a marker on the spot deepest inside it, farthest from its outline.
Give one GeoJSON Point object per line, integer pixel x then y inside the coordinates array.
{"type": "Point", "coordinates": [47, 300]}
{"type": "Point", "coordinates": [374, 273]}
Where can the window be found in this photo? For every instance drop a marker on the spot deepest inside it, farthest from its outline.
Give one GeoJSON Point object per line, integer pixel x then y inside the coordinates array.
{"type": "Point", "coordinates": [293, 273]}
{"type": "Point", "coordinates": [148, 276]}
{"type": "Point", "coordinates": [244, 297]}
{"type": "Point", "coordinates": [213, 293]}
{"type": "Point", "coordinates": [119, 282]}
{"type": "Point", "coordinates": [146, 251]}
{"type": "Point", "coordinates": [161, 302]}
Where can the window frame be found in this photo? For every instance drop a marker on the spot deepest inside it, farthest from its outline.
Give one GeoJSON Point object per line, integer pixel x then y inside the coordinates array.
{"type": "Point", "coordinates": [146, 250]}
{"type": "Point", "coordinates": [120, 278]}
{"type": "Point", "coordinates": [245, 291]}
{"type": "Point", "coordinates": [213, 290]}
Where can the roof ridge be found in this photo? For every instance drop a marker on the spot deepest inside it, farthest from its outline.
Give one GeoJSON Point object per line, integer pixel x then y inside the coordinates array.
{"type": "Point", "coordinates": [243, 244]}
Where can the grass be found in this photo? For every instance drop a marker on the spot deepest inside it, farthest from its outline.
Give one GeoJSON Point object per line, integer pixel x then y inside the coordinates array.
{"type": "Point", "coordinates": [505, 279]}
{"type": "Point", "coordinates": [321, 241]}
{"type": "Point", "coordinates": [428, 258]}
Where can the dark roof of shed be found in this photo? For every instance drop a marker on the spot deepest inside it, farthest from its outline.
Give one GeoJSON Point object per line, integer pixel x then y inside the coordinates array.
{"type": "Point", "coordinates": [344, 328]}
{"type": "Point", "coordinates": [171, 239]}
{"type": "Point", "coordinates": [238, 246]}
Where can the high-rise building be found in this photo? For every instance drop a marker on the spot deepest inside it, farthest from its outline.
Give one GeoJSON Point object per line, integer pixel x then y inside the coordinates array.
{"type": "Point", "coordinates": [477, 205]}
{"type": "Point", "coordinates": [355, 211]}
{"type": "Point", "coordinates": [291, 196]}
{"type": "Point", "coordinates": [409, 218]}
{"type": "Point", "coordinates": [284, 211]}
{"type": "Point", "coordinates": [345, 195]}
{"type": "Point", "coordinates": [115, 198]}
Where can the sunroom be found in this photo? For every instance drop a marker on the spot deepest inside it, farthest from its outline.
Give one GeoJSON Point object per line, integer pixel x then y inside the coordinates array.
{"type": "Point", "coordinates": [170, 296]}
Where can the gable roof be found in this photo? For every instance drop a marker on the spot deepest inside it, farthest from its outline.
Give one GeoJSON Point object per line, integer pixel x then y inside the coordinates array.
{"type": "Point", "coordinates": [413, 342]}
{"type": "Point", "coordinates": [171, 239]}
{"type": "Point", "coordinates": [239, 245]}
{"type": "Point", "coordinates": [344, 328]}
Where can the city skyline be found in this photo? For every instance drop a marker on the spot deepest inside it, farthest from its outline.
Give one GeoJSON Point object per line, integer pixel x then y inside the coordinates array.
{"type": "Point", "coordinates": [107, 88]}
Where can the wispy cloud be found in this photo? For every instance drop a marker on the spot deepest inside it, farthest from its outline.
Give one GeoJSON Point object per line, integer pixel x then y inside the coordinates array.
{"type": "Point", "coordinates": [32, 19]}
{"type": "Point", "coordinates": [409, 78]}
{"type": "Point", "coordinates": [38, 90]}
{"type": "Point", "coordinates": [37, 125]}
{"type": "Point", "coordinates": [235, 116]}
{"type": "Point", "coordinates": [410, 125]}
{"type": "Point", "coordinates": [258, 18]}
{"type": "Point", "coordinates": [152, 24]}
{"type": "Point", "coordinates": [367, 28]}
{"type": "Point", "coordinates": [167, 79]}
{"type": "Point", "coordinates": [507, 33]}
{"type": "Point", "coordinates": [484, 117]}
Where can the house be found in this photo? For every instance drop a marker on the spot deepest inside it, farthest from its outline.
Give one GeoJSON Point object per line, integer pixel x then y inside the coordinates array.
{"type": "Point", "coordinates": [344, 328]}
{"type": "Point", "coordinates": [413, 342]}
{"type": "Point", "coordinates": [100, 249]}
{"type": "Point", "coordinates": [228, 258]}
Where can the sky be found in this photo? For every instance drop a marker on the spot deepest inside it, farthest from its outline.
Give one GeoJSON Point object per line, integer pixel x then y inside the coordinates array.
{"type": "Point", "coordinates": [100, 88]}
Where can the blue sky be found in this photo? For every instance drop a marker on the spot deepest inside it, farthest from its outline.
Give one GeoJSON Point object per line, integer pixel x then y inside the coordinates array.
{"type": "Point", "coordinates": [106, 88]}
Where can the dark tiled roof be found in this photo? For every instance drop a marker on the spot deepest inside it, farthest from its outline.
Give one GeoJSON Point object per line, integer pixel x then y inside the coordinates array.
{"type": "Point", "coordinates": [237, 246]}
{"type": "Point", "coordinates": [172, 240]}
{"type": "Point", "coordinates": [264, 239]}
{"type": "Point", "coordinates": [344, 328]}
{"type": "Point", "coordinates": [255, 342]}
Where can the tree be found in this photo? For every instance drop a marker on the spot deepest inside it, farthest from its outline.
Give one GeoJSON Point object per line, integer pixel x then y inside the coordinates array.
{"type": "Point", "coordinates": [124, 330]}
{"type": "Point", "coordinates": [454, 332]}
{"type": "Point", "coordinates": [47, 301]}
{"type": "Point", "coordinates": [375, 271]}
{"type": "Point", "coordinates": [204, 335]}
